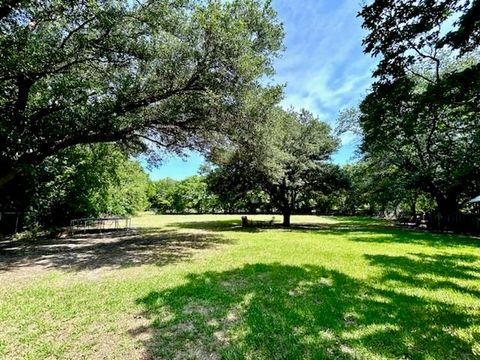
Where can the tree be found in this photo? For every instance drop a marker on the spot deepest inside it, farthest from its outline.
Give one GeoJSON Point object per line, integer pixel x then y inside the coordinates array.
{"type": "Point", "coordinates": [423, 113]}
{"type": "Point", "coordinates": [84, 181]}
{"type": "Point", "coordinates": [162, 195]}
{"type": "Point", "coordinates": [171, 73]}
{"type": "Point", "coordinates": [284, 156]}
{"type": "Point", "coordinates": [377, 187]}
{"type": "Point", "coordinates": [231, 180]}
{"type": "Point", "coordinates": [188, 195]}
{"type": "Point", "coordinates": [192, 193]}
{"type": "Point", "coordinates": [405, 33]}
{"type": "Point", "coordinates": [235, 189]}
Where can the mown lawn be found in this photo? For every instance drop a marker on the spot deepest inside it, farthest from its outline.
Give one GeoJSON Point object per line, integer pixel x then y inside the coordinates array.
{"type": "Point", "coordinates": [200, 287]}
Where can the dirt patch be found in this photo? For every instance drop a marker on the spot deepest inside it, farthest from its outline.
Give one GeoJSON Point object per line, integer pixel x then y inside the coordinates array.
{"type": "Point", "coordinates": [197, 309]}
{"type": "Point", "coordinates": [93, 254]}
{"type": "Point", "coordinates": [196, 350]}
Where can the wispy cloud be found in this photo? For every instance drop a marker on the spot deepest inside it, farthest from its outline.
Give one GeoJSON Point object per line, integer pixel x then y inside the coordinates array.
{"type": "Point", "coordinates": [349, 138]}
{"type": "Point", "coordinates": [323, 66]}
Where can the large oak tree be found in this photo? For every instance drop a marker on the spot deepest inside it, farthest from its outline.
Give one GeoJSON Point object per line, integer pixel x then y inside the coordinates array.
{"type": "Point", "coordinates": [422, 115]}
{"type": "Point", "coordinates": [285, 156]}
{"type": "Point", "coordinates": [171, 73]}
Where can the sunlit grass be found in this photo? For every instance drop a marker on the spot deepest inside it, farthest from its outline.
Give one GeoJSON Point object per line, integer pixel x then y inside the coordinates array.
{"type": "Point", "coordinates": [200, 286]}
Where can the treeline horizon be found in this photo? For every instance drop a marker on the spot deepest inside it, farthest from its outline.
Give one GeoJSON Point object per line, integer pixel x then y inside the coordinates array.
{"type": "Point", "coordinates": [196, 194]}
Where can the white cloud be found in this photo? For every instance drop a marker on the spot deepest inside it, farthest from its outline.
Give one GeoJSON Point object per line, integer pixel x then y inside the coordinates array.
{"type": "Point", "coordinates": [323, 66]}
{"type": "Point", "coordinates": [349, 138]}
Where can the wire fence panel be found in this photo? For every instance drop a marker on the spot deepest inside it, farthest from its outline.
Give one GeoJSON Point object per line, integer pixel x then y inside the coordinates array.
{"type": "Point", "coordinates": [99, 224]}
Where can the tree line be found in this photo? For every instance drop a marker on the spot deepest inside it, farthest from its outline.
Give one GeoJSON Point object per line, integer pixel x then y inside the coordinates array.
{"type": "Point", "coordinates": [421, 119]}
{"type": "Point", "coordinates": [363, 191]}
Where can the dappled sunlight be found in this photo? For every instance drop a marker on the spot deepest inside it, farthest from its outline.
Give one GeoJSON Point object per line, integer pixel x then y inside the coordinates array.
{"type": "Point", "coordinates": [224, 221]}
{"type": "Point", "coordinates": [444, 277]}
{"type": "Point", "coordinates": [164, 168]}
{"type": "Point", "coordinates": [361, 229]}
{"type": "Point", "coordinates": [261, 222]}
{"type": "Point", "coordinates": [277, 311]}
{"type": "Point", "coordinates": [359, 220]}
{"type": "Point", "coordinates": [203, 287]}
{"type": "Point", "coordinates": [107, 250]}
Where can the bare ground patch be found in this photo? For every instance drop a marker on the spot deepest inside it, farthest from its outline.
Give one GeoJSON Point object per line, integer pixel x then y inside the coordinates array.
{"type": "Point", "coordinates": [95, 253]}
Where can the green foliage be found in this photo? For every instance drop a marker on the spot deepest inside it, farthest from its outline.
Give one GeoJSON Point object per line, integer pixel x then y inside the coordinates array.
{"type": "Point", "coordinates": [379, 189]}
{"type": "Point", "coordinates": [234, 185]}
{"type": "Point", "coordinates": [196, 194]}
{"type": "Point", "coordinates": [421, 121]}
{"type": "Point", "coordinates": [406, 33]}
{"type": "Point", "coordinates": [161, 194]}
{"type": "Point", "coordinates": [172, 73]}
{"type": "Point", "coordinates": [86, 181]}
{"type": "Point", "coordinates": [285, 156]}
{"type": "Point", "coordinates": [179, 197]}
{"type": "Point", "coordinates": [193, 193]}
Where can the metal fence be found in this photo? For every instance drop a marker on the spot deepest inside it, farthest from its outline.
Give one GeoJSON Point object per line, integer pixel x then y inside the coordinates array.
{"type": "Point", "coordinates": [100, 224]}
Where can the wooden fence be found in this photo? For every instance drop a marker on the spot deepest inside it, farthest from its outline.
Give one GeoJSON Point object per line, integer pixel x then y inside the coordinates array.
{"type": "Point", "coordinates": [465, 223]}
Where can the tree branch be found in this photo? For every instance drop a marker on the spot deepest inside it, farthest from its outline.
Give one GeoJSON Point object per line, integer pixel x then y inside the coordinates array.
{"type": "Point", "coordinates": [420, 75]}
{"type": "Point", "coordinates": [77, 29]}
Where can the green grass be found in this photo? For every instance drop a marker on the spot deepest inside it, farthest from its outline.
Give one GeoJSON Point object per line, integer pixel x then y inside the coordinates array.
{"type": "Point", "coordinates": [201, 287]}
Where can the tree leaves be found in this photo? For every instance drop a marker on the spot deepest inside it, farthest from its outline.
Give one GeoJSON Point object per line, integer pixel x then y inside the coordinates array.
{"type": "Point", "coordinates": [422, 115]}
{"type": "Point", "coordinates": [285, 156]}
{"type": "Point", "coordinates": [174, 72]}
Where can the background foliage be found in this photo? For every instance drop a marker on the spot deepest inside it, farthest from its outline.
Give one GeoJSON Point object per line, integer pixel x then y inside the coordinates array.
{"type": "Point", "coordinates": [86, 181]}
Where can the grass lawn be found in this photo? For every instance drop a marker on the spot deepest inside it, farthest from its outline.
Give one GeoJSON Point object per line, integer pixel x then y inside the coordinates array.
{"type": "Point", "coordinates": [200, 287]}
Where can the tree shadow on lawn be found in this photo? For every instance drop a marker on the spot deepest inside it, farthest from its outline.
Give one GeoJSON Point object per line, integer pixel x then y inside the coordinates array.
{"type": "Point", "coordinates": [362, 231]}
{"type": "Point", "coordinates": [216, 225]}
{"type": "Point", "coordinates": [382, 234]}
{"type": "Point", "coordinates": [433, 272]}
{"type": "Point", "coordinates": [274, 311]}
{"type": "Point", "coordinates": [108, 249]}
{"type": "Point", "coordinates": [262, 225]}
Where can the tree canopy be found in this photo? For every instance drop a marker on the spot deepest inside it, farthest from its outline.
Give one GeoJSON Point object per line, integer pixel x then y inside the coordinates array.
{"type": "Point", "coordinates": [286, 155]}
{"type": "Point", "coordinates": [406, 32]}
{"type": "Point", "coordinates": [82, 181]}
{"type": "Point", "coordinates": [178, 197]}
{"type": "Point", "coordinates": [171, 73]}
{"type": "Point", "coordinates": [88, 85]}
{"type": "Point", "coordinates": [422, 115]}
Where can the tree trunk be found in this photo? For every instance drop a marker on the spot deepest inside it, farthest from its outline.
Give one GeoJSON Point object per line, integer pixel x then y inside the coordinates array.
{"type": "Point", "coordinates": [447, 211]}
{"type": "Point", "coordinates": [413, 208]}
{"type": "Point", "coordinates": [286, 218]}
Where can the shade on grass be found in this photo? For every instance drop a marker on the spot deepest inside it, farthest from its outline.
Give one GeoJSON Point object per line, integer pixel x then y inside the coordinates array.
{"type": "Point", "coordinates": [203, 287]}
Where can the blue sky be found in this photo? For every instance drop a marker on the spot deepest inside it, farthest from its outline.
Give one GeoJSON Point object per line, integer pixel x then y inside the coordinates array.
{"type": "Point", "coordinates": [323, 68]}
